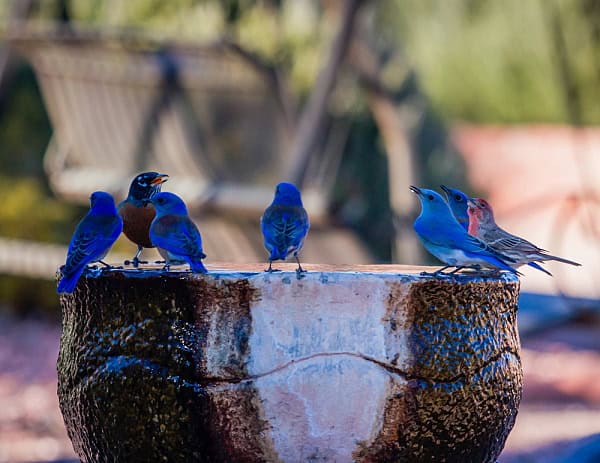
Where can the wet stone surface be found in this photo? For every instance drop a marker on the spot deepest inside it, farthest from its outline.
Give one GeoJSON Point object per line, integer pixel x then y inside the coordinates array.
{"type": "Point", "coordinates": [376, 365]}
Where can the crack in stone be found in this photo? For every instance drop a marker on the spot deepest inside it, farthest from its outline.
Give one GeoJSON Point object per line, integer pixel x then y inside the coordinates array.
{"type": "Point", "coordinates": [116, 364]}
{"type": "Point", "coordinates": [386, 366]}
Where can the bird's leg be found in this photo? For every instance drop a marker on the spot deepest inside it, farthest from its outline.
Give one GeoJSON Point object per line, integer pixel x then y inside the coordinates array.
{"type": "Point", "coordinates": [299, 270]}
{"type": "Point", "coordinates": [457, 269]}
{"type": "Point", "coordinates": [136, 259]}
{"type": "Point", "coordinates": [439, 271]}
{"type": "Point", "coordinates": [474, 269]}
{"type": "Point", "coordinates": [167, 266]}
{"type": "Point", "coordinates": [270, 269]}
{"type": "Point", "coordinates": [108, 266]}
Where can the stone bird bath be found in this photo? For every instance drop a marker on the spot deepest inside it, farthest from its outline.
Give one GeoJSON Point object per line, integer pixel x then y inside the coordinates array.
{"type": "Point", "coordinates": [360, 364]}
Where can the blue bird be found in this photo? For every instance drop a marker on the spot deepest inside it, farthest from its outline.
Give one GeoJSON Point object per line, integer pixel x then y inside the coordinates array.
{"type": "Point", "coordinates": [284, 225]}
{"type": "Point", "coordinates": [93, 238]}
{"type": "Point", "coordinates": [457, 201]}
{"type": "Point", "coordinates": [444, 237]}
{"type": "Point", "coordinates": [174, 234]}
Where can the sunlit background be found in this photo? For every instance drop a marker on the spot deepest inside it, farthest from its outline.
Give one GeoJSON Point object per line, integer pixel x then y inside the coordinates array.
{"type": "Point", "coordinates": [354, 101]}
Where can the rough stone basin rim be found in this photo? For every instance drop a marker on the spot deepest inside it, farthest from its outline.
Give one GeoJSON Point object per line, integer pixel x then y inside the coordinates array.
{"type": "Point", "coordinates": [345, 364]}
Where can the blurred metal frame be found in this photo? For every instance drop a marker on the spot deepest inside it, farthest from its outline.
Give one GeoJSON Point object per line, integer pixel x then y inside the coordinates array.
{"type": "Point", "coordinates": [121, 102]}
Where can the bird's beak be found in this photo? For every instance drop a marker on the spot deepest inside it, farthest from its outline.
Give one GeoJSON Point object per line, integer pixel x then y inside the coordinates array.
{"type": "Point", "coordinates": [416, 190]}
{"type": "Point", "coordinates": [159, 179]}
{"type": "Point", "coordinates": [445, 188]}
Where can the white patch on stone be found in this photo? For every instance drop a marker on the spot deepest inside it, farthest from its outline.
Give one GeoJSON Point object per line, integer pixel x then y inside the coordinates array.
{"type": "Point", "coordinates": [323, 408]}
{"type": "Point", "coordinates": [308, 346]}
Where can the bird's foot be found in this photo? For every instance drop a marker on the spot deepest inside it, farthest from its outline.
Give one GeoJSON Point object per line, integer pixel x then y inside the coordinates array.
{"type": "Point", "coordinates": [160, 261]}
{"type": "Point", "coordinates": [437, 274]}
{"type": "Point", "coordinates": [135, 262]}
{"type": "Point", "coordinates": [94, 270]}
{"type": "Point", "coordinates": [106, 267]}
{"type": "Point", "coordinates": [167, 267]}
{"type": "Point", "coordinates": [271, 269]}
{"type": "Point", "coordinates": [491, 272]}
{"type": "Point", "coordinates": [486, 273]}
{"type": "Point", "coordinates": [300, 273]}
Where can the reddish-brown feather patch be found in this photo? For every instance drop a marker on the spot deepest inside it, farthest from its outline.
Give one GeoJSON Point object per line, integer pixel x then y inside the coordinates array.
{"type": "Point", "coordinates": [136, 223]}
{"type": "Point", "coordinates": [473, 221]}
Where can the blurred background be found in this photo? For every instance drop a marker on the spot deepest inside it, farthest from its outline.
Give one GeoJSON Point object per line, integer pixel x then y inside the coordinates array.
{"type": "Point", "coordinates": [354, 100]}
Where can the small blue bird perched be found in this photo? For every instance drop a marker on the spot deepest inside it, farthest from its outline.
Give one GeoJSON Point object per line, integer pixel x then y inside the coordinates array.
{"type": "Point", "coordinates": [457, 201]}
{"type": "Point", "coordinates": [93, 238]}
{"type": "Point", "coordinates": [284, 225]}
{"type": "Point", "coordinates": [174, 234]}
{"type": "Point", "coordinates": [444, 237]}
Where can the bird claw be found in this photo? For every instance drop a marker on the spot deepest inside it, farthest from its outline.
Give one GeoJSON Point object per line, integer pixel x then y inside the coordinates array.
{"type": "Point", "coordinates": [300, 273]}
{"type": "Point", "coordinates": [135, 262]}
{"type": "Point", "coordinates": [434, 274]}
{"type": "Point", "coordinates": [271, 270]}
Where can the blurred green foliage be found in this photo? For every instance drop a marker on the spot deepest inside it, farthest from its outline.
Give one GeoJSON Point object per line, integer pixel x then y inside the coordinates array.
{"type": "Point", "coordinates": [28, 209]}
{"type": "Point", "coordinates": [477, 60]}
{"type": "Point", "coordinates": [24, 126]}
{"type": "Point", "coordinates": [497, 61]}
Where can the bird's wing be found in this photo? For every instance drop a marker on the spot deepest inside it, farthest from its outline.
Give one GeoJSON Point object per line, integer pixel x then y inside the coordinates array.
{"type": "Point", "coordinates": [92, 237]}
{"type": "Point", "coordinates": [178, 235]}
{"type": "Point", "coordinates": [285, 227]}
{"type": "Point", "coordinates": [473, 244]}
{"type": "Point", "coordinates": [458, 238]}
{"type": "Point", "coordinates": [504, 241]}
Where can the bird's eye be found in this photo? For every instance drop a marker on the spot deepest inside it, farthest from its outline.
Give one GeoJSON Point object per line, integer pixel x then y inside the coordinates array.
{"type": "Point", "coordinates": [430, 197]}
{"type": "Point", "coordinates": [458, 198]}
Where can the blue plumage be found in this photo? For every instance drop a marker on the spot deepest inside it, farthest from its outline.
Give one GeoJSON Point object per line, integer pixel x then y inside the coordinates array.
{"type": "Point", "coordinates": [446, 239]}
{"type": "Point", "coordinates": [457, 201]}
{"type": "Point", "coordinates": [284, 225]}
{"type": "Point", "coordinates": [174, 234]}
{"type": "Point", "coordinates": [93, 238]}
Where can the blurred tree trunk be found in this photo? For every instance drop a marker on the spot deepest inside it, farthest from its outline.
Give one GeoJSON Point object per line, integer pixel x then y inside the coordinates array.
{"type": "Point", "coordinates": [309, 125]}
{"type": "Point", "coordinates": [386, 106]}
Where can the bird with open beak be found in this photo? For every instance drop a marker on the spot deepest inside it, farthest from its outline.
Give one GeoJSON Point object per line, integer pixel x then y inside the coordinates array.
{"type": "Point", "coordinates": [138, 212]}
{"type": "Point", "coordinates": [442, 235]}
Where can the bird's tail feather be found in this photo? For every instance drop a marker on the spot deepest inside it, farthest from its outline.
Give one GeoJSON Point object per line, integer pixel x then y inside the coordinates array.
{"type": "Point", "coordinates": [68, 282]}
{"type": "Point", "coordinates": [197, 266]}
{"type": "Point", "coordinates": [539, 267]}
{"type": "Point", "coordinates": [560, 259]}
